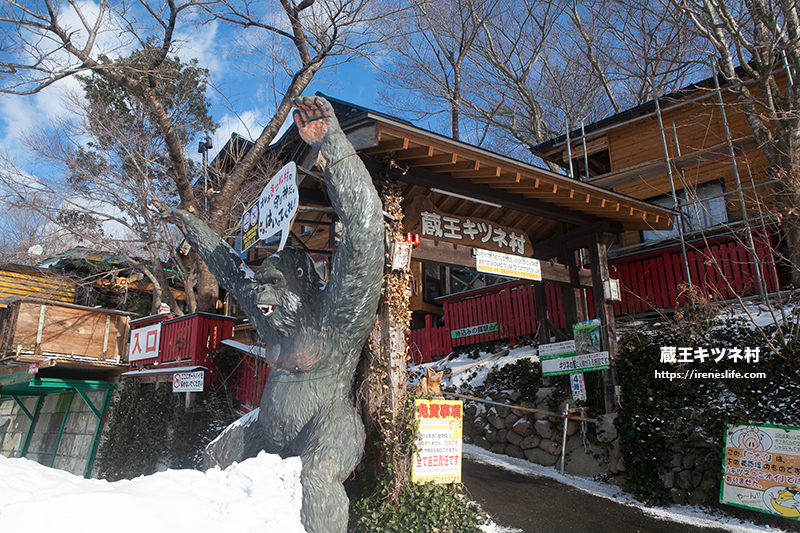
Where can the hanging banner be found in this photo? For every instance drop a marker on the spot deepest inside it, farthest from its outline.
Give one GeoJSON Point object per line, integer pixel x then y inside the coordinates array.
{"type": "Point", "coordinates": [425, 220]}
{"type": "Point", "coordinates": [278, 205]}
{"type": "Point", "coordinates": [438, 452]}
{"type": "Point", "coordinates": [762, 469]}
{"type": "Point", "coordinates": [506, 265]}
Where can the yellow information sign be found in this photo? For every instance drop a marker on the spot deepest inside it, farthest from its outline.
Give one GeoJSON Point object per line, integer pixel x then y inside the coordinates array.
{"type": "Point", "coordinates": [762, 469]}
{"type": "Point", "coordinates": [438, 455]}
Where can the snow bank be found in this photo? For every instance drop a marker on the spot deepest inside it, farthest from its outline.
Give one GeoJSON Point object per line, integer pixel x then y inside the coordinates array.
{"type": "Point", "coordinates": [260, 494]}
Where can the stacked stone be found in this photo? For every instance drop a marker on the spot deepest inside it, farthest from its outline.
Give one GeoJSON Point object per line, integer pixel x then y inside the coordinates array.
{"type": "Point", "coordinates": [537, 436]}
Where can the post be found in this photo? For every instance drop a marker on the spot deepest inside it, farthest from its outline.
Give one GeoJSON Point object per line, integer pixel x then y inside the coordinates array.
{"type": "Point", "coordinates": [604, 310]}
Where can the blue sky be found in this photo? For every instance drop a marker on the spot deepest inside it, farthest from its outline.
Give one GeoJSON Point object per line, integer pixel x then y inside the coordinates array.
{"type": "Point", "coordinates": [241, 103]}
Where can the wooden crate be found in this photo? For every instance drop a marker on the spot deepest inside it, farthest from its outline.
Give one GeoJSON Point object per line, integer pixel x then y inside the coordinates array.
{"type": "Point", "coordinates": [64, 330]}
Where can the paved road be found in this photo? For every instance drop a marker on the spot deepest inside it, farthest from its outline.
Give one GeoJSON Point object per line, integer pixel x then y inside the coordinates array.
{"type": "Point", "coordinates": [537, 504]}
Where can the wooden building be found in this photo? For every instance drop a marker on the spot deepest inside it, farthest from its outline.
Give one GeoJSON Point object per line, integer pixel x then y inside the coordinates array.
{"type": "Point", "coordinates": [695, 152]}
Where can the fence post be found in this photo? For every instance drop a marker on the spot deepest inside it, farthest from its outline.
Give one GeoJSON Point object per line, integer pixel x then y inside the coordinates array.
{"type": "Point", "coordinates": [508, 316]}
{"type": "Point", "coordinates": [448, 340]}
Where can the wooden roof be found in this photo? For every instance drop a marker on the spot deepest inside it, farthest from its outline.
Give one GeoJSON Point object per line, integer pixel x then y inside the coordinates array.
{"type": "Point", "coordinates": [532, 198]}
{"type": "Point", "coordinates": [540, 202]}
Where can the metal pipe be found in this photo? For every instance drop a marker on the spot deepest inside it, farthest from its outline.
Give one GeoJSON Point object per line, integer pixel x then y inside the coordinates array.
{"type": "Point", "coordinates": [61, 429]}
{"type": "Point", "coordinates": [672, 184]}
{"type": "Point", "coordinates": [762, 289]}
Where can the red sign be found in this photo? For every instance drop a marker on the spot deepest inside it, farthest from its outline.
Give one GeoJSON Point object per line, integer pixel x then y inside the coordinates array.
{"type": "Point", "coordinates": [33, 368]}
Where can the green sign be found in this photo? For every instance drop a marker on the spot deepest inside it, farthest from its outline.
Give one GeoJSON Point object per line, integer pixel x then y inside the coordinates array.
{"type": "Point", "coordinates": [474, 330]}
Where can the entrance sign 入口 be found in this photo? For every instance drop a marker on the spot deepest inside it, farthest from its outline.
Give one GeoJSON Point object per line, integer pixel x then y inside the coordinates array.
{"type": "Point", "coordinates": [188, 382]}
{"type": "Point", "coordinates": [507, 265]}
{"type": "Point", "coordinates": [438, 453]}
{"type": "Point", "coordinates": [278, 205]}
{"type": "Point", "coordinates": [145, 342]}
{"type": "Point", "coordinates": [474, 330]}
{"type": "Point", "coordinates": [761, 469]}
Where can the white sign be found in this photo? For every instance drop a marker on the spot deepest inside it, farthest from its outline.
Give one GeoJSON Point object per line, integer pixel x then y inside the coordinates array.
{"type": "Point", "coordinates": [574, 364]}
{"type": "Point", "coordinates": [507, 265]}
{"type": "Point", "coordinates": [474, 330]}
{"type": "Point", "coordinates": [437, 456]}
{"type": "Point", "coordinates": [278, 205]}
{"type": "Point", "coordinates": [578, 387]}
{"type": "Point", "coordinates": [557, 348]}
{"type": "Point", "coordinates": [145, 342]}
{"type": "Point", "coordinates": [188, 382]}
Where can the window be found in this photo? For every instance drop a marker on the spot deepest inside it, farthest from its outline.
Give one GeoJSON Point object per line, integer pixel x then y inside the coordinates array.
{"type": "Point", "coordinates": [702, 208]}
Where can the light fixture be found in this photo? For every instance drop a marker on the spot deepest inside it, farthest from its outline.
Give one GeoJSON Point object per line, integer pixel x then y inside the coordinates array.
{"type": "Point", "coordinates": [462, 197]}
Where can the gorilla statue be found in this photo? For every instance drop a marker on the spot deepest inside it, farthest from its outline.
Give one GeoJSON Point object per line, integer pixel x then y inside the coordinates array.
{"type": "Point", "coordinates": [313, 332]}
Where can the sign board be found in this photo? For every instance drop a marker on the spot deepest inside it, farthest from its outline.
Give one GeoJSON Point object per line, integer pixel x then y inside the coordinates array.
{"type": "Point", "coordinates": [474, 330]}
{"type": "Point", "coordinates": [33, 368]}
{"type": "Point", "coordinates": [562, 358]}
{"type": "Point", "coordinates": [145, 342]}
{"type": "Point", "coordinates": [278, 205]}
{"type": "Point", "coordinates": [587, 336]}
{"type": "Point", "coordinates": [578, 386]}
{"type": "Point", "coordinates": [512, 266]}
{"type": "Point", "coordinates": [589, 362]}
{"type": "Point", "coordinates": [438, 452]}
{"type": "Point", "coordinates": [188, 382]}
{"type": "Point", "coordinates": [425, 220]}
{"type": "Point", "coordinates": [250, 227]}
{"type": "Point", "coordinates": [761, 469]}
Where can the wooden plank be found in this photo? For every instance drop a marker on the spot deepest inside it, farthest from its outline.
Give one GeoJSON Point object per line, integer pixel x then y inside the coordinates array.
{"type": "Point", "coordinates": [432, 161]}
{"type": "Point", "coordinates": [415, 153]}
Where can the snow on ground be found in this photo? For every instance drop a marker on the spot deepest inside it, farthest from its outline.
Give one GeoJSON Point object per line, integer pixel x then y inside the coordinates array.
{"type": "Point", "coordinates": [260, 494]}
{"type": "Point", "coordinates": [683, 514]}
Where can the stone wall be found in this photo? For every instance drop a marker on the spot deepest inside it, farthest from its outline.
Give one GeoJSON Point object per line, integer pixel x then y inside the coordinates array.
{"type": "Point", "coordinates": [693, 477]}
{"type": "Point", "coordinates": [76, 439]}
{"type": "Point", "coordinates": [537, 437]}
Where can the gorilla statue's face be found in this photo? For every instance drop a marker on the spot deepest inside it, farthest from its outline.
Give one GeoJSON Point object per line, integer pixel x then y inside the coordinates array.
{"type": "Point", "coordinates": [289, 290]}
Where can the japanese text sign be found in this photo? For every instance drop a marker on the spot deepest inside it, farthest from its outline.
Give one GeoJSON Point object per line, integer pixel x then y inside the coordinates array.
{"type": "Point", "coordinates": [507, 265]}
{"type": "Point", "coordinates": [562, 358]}
{"type": "Point", "coordinates": [424, 219]}
{"type": "Point", "coordinates": [250, 226]}
{"type": "Point", "coordinates": [474, 330]}
{"type": "Point", "coordinates": [438, 455]}
{"type": "Point", "coordinates": [145, 342]}
{"type": "Point", "coordinates": [278, 205]}
{"type": "Point", "coordinates": [188, 382]}
{"type": "Point", "coordinates": [762, 469]}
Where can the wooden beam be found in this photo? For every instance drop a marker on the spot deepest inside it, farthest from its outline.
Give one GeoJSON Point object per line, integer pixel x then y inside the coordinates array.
{"type": "Point", "coordinates": [574, 239]}
{"type": "Point", "coordinates": [426, 178]}
{"type": "Point", "coordinates": [458, 256]}
{"type": "Point", "coordinates": [413, 153]}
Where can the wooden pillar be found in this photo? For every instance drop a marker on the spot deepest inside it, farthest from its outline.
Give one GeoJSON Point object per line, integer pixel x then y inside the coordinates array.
{"type": "Point", "coordinates": [604, 310]}
{"type": "Point", "coordinates": [542, 316]}
{"type": "Point", "coordinates": [570, 294]}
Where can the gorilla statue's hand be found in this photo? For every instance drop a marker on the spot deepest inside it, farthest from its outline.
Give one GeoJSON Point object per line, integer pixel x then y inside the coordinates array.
{"type": "Point", "coordinates": [170, 217]}
{"type": "Point", "coordinates": [311, 117]}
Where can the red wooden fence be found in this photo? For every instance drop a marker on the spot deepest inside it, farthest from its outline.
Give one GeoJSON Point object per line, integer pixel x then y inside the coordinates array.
{"type": "Point", "coordinates": [719, 269]}
{"type": "Point", "coordinates": [187, 340]}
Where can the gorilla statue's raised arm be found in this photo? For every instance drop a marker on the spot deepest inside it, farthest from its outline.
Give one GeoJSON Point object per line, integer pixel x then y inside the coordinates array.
{"type": "Point", "coordinates": [313, 332]}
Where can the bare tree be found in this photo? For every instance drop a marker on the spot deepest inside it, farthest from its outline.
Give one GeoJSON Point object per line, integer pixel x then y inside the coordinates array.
{"type": "Point", "coordinates": [756, 51]}
{"type": "Point", "coordinates": [429, 45]}
{"type": "Point", "coordinates": [46, 41]}
{"type": "Point", "coordinates": [104, 187]}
